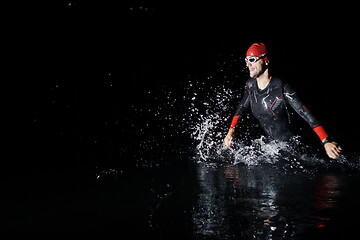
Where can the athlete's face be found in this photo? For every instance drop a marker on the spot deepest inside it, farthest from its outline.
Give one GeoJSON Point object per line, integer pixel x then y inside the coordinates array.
{"type": "Point", "coordinates": [256, 68]}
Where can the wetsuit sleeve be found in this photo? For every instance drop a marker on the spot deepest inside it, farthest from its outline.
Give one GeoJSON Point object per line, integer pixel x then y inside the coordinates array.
{"type": "Point", "coordinates": [295, 102]}
{"type": "Point", "coordinates": [243, 105]}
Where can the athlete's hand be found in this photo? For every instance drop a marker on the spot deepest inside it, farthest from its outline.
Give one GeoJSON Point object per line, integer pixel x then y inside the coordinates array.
{"type": "Point", "coordinates": [228, 140]}
{"type": "Point", "coordinates": [332, 149]}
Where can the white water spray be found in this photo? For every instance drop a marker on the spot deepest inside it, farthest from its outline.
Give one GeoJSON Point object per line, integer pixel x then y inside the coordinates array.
{"type": "Point", "coordinates": [208, 126]}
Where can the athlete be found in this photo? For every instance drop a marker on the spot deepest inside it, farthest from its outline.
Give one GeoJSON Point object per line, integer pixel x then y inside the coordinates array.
{"type": "Point", "coordinates": [268, 98]}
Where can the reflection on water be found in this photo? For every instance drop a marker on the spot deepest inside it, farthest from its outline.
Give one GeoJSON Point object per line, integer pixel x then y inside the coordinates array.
{"type": "Point", "coordinates": [327, 190]}
{"type": "Point", "coordinates": [193, 201]}
{"type": "Point", "coordinates": [210, 215]}
{"type": "Point", "coordinates": [262, 202]}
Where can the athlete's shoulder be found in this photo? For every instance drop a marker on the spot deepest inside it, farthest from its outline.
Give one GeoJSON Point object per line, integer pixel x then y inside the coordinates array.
{"type": "Point", "coordinates": [278, 81]}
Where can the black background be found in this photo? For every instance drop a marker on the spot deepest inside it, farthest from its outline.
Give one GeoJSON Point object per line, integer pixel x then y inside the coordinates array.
{"type": "Point", "coordinates": [80, 68]}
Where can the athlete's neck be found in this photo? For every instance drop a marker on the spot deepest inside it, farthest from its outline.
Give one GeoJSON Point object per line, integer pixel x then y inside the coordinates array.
{"type": "Point", "coordinates": [264, 79]}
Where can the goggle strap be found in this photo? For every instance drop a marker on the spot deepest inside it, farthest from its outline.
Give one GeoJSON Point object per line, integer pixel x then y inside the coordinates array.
{"type": "Point", "coordinates": [263, 55]}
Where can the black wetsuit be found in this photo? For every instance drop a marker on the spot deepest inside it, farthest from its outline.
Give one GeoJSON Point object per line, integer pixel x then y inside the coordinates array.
{"type": "Point", "coordinates": [269, 106]}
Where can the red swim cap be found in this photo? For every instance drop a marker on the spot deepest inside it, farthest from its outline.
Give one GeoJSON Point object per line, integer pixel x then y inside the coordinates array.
{"type": "Point", "coordinates": [257, 49]}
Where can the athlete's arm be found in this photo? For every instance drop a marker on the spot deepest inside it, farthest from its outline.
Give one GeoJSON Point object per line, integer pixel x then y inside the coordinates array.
{"type": "Point", "coordinates": [332, 149]}
{"type": "Point", "coordinates": [244, 104]}
{"type": "Point", "coordinates": [294, 101]}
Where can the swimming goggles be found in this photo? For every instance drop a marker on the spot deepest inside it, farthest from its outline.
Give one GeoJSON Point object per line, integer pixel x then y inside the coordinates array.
{"type": "Point", "coordinates": [253, 59]}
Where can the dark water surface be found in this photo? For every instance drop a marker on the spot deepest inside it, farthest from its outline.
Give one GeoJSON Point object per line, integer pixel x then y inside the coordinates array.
{"type": "Point", "coordinates": [190, 200]}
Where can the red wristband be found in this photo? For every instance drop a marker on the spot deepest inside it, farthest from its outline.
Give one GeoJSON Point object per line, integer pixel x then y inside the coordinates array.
{"type": "Point", "coordinates": [234, 122]}
{"type": "Point", "coordinates": [320, 131]}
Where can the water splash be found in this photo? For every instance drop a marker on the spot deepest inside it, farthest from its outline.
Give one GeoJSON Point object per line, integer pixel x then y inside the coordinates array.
{"type": "Point", "coordinates": [208, 127]}
{"type": "Point", "coordinates": [258, 152]}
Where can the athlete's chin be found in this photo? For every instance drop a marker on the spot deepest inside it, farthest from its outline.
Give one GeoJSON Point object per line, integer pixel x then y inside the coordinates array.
{"type": "Point", "coordinates": [252, 74]}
